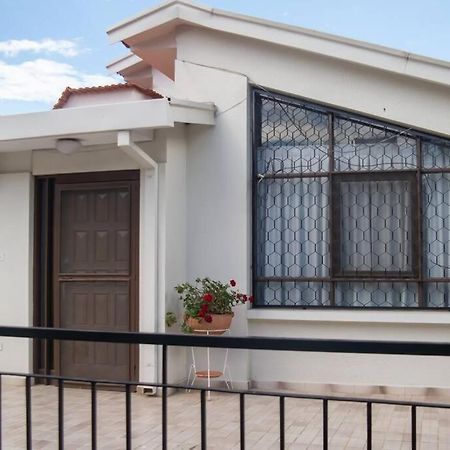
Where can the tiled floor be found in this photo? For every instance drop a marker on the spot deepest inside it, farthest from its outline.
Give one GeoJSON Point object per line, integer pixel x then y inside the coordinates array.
{"type": "Point", "coordinates": [347, 422]}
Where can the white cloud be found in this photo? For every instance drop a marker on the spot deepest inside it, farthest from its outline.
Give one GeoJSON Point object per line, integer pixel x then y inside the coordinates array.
{"type": "Point", "coordinates": [60, 46]}
{"type": "Point", "coordinates": [43, 80]}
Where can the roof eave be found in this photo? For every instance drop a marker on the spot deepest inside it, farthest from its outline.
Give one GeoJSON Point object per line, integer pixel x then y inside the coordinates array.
{"type": "Point", "coordinates": [124, 63]}
{"type": "Point", "coordinates": [138, 115]}
{"type": "Point", "coordinates": [175, 12]}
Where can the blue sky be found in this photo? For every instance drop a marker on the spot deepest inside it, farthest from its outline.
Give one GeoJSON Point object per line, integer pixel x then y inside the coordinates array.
{"type": "Point", "coordinates": [48, 44]}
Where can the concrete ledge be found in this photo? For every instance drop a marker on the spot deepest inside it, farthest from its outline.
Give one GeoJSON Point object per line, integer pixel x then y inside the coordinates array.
{"type": "Point", "coordinates": [362, 316]}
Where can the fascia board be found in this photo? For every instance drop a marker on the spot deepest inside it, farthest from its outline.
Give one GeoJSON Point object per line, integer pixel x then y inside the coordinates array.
{"type": "Point", "coordinates": [183, 111]}
{"type": "Point", "coordinates": [124, 63]}
{"type": "Point", "coordinates": [91, 119]}
{"type": "Point", "coordinates": [337, 47]}
{"type": "Point", "coordinates": [22, 130]}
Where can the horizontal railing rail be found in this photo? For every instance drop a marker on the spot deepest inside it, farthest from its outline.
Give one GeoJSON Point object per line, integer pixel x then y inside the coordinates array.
{"type": "Point", "coordinates": [249, 343]}
{"type": "Point", "coordinates": [236, 342]}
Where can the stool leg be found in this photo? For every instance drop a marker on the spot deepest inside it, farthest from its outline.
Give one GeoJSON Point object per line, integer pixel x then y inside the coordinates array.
{"type": "Point", "coordinates": [229, 377]}
{"type": "Point", "coordinates": [226, 368]}
{"type": "Point", "coordinates": [189, 382]}
{"type": "Point", "coordinates": [209, 373]}
{"type": "Point", "coordinates": [192, 370]}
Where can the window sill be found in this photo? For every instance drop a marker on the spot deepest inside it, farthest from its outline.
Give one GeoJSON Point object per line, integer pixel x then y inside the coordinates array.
{"type": "Point", "coordinates": [358, 316]}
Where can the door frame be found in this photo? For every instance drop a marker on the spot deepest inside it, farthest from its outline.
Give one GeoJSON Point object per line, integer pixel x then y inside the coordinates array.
{"type": "Point", "coordinates": [46, 250]}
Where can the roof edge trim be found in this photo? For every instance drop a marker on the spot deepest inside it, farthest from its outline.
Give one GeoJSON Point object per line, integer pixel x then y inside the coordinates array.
{"type": "Point", "coordinates": [368, 54]}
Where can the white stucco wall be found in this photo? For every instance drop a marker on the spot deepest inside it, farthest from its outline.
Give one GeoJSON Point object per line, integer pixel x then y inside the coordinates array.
{"type": "Point", "coordinates": [218, 188]}
{"type": "Point", "coordinates": [349, 369]}
{"type": "Point", "coordinates": [219, 68]}
{"type": "Point", "coordinates": [388, 96]}
{"type": "Point", "coordinates": [15, 162]}
{"type": "Point", "coordinates": [174, 241]}
{"type": "Point", "coordinates": [48, 162]}
{"type": "Point", "coordinates": [16, 281]}
{"type": "Point", "coordinates": [151, 181]}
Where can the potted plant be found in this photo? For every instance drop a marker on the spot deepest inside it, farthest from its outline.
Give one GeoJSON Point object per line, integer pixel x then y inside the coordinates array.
{"type": "Point", "coordinates": [208, 304]}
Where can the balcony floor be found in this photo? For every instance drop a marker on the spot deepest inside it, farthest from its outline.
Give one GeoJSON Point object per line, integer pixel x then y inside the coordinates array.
{"type": "Point", "coordinates": [347, 422]}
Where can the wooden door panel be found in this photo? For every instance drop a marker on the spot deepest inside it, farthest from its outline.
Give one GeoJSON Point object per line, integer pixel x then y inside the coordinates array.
{"type": "Point", "coordinates": [95, 275]}
{"type": "Point", "coordinates": [95, 305]}
{"type": "Point", "coordinates": [95, 231]}
{"type": "Point", "coordinates": [101, 306]}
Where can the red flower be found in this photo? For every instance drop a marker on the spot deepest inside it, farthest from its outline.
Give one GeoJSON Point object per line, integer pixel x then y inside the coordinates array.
{"type": "Point", "coordinates": [244, 297]}
{"type": "Point", "coordinates": [202, 313]}
{"type": "Point", "coordinates": [251, 299]}
{"type": "Point", "coordinates": [204, 307]}
{"type": "Point", "coordinates": [208, 297]}
{"type": "Point", "coordinates": [232, 283]}
{"type": "Point", "coordinates": [208, 318]}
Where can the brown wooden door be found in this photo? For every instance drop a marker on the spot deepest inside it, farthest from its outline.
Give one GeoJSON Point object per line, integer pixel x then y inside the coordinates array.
{"type": "Point", "coordinates": [95, 275]}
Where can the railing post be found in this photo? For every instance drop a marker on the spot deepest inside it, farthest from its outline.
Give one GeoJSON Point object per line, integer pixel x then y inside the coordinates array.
{"type": "Point", "coordinates": [325, 424]}
{"type": "Point", "coordinates": [369, 425]}
{"type": "Point", "coordinates": [282, 439]}
{"type": "Point", "coordinates": [164, 397]}
{"type": "Point", "coordinates": [203, 419]}
{"type": "Point", "coordinates": [413, 427]}
{"type": "Point", "coordinates": [242, 419]}
{"type": "Point", "coordinates": [28, 412]}
{"type": "Point", "coordinates": [61, 414]}
{"type": "Point", "coordinates": [128, 416]}
{"type": "Point", "coordinates": [93, 415]}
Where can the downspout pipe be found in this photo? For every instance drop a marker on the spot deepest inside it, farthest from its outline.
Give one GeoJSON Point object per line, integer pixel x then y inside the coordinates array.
{"type": "Point", "coordinates": [136, 153]}
{"type": "Point", "coordinates": [149, 165]}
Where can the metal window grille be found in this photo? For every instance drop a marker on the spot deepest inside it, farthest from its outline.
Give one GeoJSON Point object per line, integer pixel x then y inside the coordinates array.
{"type": "Point", "coordinates": [347, 211]}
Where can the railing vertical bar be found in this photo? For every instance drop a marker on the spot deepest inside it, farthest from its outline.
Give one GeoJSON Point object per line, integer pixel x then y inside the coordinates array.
{"type": "Point", "coordinates": [93, 415]}
{"type": "Point", "coordinates": [128, 416]}
{"type": "Point", "coordinates": [61, 414]}
{"type": "Point", "coordinates": [164, 397]}
{"type": "Point", "coordinates": [282, 439]}
{"type": "Point", "coordinates": [0, 411]}
{"type": "Point", "coordinates": [242, 419]}
{"type": "Point", "coordinates": [413, 428]}
{"type": "Point", "coordinates": [203, 419]}
{"type": "Point", "coordinates": [369, 425]}
{"type": "Point", "coordinates": [325, 424]}
{"type": "Point", "coordinates": [28, 412]}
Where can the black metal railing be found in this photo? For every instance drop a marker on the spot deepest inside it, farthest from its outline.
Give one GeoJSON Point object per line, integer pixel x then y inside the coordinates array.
{"type": "Point", "coordinates": [248, 343]}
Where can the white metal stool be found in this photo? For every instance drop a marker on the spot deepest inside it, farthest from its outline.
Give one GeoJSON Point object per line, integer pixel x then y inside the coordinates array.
{"type": "Point", "coordinates": [209, 374]}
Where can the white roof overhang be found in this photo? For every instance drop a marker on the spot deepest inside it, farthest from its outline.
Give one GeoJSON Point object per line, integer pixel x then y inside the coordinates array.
{"type": "Point", "coordinates": [99, 124]}
{"type": "Point", "coordinates": [126, 62]}
{"type": "Point", "coordinates": [152, 25]}
{"type": "Point", "coordinates": [133, 69]}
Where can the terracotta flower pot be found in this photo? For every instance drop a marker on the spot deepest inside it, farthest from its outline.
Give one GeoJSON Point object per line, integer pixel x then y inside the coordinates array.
{"type": "Point", "coordinates": [220, 322]}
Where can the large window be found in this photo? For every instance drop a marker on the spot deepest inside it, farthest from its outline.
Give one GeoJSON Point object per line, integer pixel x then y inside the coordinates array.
{"type": "Point", "coordinates": [348, 212]}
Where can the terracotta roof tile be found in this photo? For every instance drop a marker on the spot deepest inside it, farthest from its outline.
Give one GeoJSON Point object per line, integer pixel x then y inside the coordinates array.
{"type": "Point", "coordinates": [94, 89]}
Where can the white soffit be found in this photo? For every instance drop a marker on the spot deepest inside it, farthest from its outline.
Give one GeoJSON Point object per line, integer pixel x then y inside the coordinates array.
{"type": "Point", "coordinates": [130, 64]}
{"type": "Point", "coordinates": [133, 69]}
{"type": "Point", "coordinates": [126, 62]}
{"type": "Point", "coordinates": [163, 19]}
{"type": "Point", "coordinates": [98, 124]}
